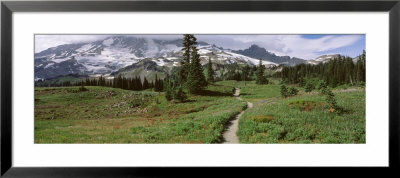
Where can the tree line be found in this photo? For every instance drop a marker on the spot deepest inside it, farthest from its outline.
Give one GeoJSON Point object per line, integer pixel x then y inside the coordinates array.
{"type": "Point", "coordinates": [135, 83]}
{"type": "Point", "coordinates": [338, 71]}
{"type": "Point", "coordinates": [244, 73]}
{"type": "Point", "coordinates": [125, 83]}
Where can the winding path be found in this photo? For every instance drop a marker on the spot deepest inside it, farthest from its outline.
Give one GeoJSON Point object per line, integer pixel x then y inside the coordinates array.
{"type": "Point", "coordinates": [229, 135]}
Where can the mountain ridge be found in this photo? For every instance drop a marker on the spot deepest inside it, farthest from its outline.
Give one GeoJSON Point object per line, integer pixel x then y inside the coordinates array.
{"type": "Point", "coordinates": [109, 55]}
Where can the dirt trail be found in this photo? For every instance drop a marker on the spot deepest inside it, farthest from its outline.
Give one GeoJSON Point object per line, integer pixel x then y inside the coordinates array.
{"type": "Point", "coordinates": [229, 135]}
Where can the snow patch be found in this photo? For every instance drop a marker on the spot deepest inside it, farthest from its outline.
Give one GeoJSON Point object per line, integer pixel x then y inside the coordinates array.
{"type": "Point", "coordinates": [172, 58]}
{"type": "Point", "coordinates": [159, 62]}
{"type": "Point", "coordinates": [203, 51]}
{"type": "Point", "coordinates": [61, 60]}
{"type": "Point", "coordinates": [108, 42]}
{"type": "Point", "coordinates": [84, 48]}
{"type": "Point", "coordinates": [248, 59]}
{"type": "Point", "coordinates": [48, 65]}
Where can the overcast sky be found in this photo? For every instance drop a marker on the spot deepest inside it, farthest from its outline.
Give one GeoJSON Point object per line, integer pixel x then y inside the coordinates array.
{"type": "Point", "coordinates": [302, 46]}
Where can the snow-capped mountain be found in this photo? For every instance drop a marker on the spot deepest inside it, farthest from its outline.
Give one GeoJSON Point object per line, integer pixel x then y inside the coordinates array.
{"type": "Point", "coordinates": [322, 59]}
{"type": "Point", "coordinates": [100, 57]}
{"type": "Point", "coordinates": [327, 58]}
{"type": "Point", "coordinates": [258, 52]}
{"type": "Point", "coordinates": [117, 52]}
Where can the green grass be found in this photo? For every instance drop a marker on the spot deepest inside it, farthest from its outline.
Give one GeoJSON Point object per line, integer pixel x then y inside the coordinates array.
{"type": "Point", "coordinates": [107, 115]}
{"type": "Point", "coordinates": [303, 118]}
{"type": "Point", "coordinates": [254, 93]}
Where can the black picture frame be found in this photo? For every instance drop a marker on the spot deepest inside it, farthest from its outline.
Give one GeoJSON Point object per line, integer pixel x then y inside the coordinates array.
{"type": "Point", "coordinates": [8, 7]}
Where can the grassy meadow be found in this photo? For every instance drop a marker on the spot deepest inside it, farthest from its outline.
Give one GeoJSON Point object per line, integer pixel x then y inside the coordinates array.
{"type": "Point", "coordinates": [304, 118]}
{"type": "Point", "coordinates": [109, 115]}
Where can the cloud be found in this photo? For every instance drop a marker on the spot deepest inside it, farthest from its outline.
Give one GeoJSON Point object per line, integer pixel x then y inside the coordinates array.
{"type": "Point", "coordinates": [312, 48]}
{"type": "Point", "coordinates": [43, 42]}
{"type": "Point", "coordinates": [283, 45]}
{"type": "Point", "coordinates": [290, 45]}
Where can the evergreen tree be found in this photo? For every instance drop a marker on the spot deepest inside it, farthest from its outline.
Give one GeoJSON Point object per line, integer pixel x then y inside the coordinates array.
{"type": "Point", "coordinates": [161, 84]}
{"type": "Point", "coordinates": [210, 72]}
{"type": "Point", "coordinates": [180, 95]}
{"type": "Point", "coordinates": [309, 87]}
{"type": "Point", "coordinates": [189, 41]}
{"type": "Point", "coordinates": [360, 65]}
{"type": "Point", "coordinates": [245, 73]}
{"type": "Point", "coordinates": [82, 88]}
{"type": "Point", "coordinates": [146, 84]}
{"type": "Point", "coordinates": [138, 83]}
{"type": "Point", "coordinates": [260, 74]}
{"type": "Point", "coordinates": [322, 85]}
{"type": "Point", "coordinates": [157, 85]}
{"type": "Point", "coordinates": [338, 71]}
{"type": "Point", "coordinates": [284, 91]}
{"type": "Point", "coordinates": [293, 91]}
{"type": "Point", "coordinates": [151, 84]}
{"type": "Point", "coordinates": [168, 89]}
{"type": "Point", "coordinates": [196, 81]}
{"type": "Point", "coordinates": [330, 99]}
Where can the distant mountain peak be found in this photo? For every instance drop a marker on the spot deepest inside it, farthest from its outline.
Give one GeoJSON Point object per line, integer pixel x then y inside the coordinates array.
{"type": "Point", "coordinates": [254, 46]}
{"type": "Point", "coordinates": [326, 57]}
{"type": "Point", "coordinates": [258, 52]}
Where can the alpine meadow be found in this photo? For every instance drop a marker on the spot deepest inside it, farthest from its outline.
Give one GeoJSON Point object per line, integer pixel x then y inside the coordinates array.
{"type": "Point", "coordinates": [200, 88]}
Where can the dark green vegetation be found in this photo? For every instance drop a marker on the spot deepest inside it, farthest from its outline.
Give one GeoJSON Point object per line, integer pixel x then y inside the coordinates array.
{"type": "Point", "coordinates": [261, 79]}
{"type": "Point", "coordinates": [339, 71]}
{"type": "Point", "coordinates": [68, 80]}
{"type": "Point", "coordinates": [210, 72]}
{"type": "Point", "coordinates": [286, 92]}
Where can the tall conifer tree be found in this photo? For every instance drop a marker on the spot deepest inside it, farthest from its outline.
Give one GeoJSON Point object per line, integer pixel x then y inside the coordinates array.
{"type": "Point", "coordinates": [196, 80]}
{"type": "Point", "coordinates": [260, 74]}
{"type": "Point", "coordinates": [189, 41]}
{"type": "Point", "coordinates": [146, 84]}
{"type": "Point", "coordinates": [210, 72]}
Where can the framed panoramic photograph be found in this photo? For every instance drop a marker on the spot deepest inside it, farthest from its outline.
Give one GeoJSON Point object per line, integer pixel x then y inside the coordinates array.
{"type": "Point", "coordinates": [103, 88]}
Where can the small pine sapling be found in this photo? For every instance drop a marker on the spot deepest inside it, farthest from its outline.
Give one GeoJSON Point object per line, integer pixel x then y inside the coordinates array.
{"type": "Point", "coordinates": [293, 91]}
{"type": "Point", "coordinates": [284, 91]}
{"type": "Point", "coordinates": [309, 87]}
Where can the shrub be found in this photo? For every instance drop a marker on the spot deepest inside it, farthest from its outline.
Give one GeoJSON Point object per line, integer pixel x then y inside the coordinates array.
{"type": "Point", "coordinates": [361, 84]}
{"type": "Point", "coordinates": [309, 87]}
{"type": "Point", "coordinates": [180, 95]}
{"type": "Point", "coordinates": [168, 93]}
{"type": "Point", "coordinates": [293, 91]}
{"type": "Point", "coordinates": [262, 118]}
{"type": "Point", "coordinates": [136, 102]}
{"type": "Point", "coordinates": [284, 91]}
{"type": "Point", "coordinates": [82, 88]}
{"type": "Point", "coordinates": [322, 85]}
{"type": "Point", "coordinates": [306, 105]}
{"type": "Point", "coordinates": [330, 99]}
{"type": "Point", "coordinates": [301, 82]}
